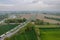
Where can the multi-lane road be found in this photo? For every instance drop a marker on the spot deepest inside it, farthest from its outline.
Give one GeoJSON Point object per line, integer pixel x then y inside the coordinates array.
{"type": "Point", "coordinates": [13, 31]}
{"type": "Point", "coordinates": [16, 29]}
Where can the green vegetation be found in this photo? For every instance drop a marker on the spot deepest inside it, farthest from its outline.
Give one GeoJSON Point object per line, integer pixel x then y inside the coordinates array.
{"type": "Point", "coordinates": [47, 26]}
{"type": "Point", "coordinates": [58, 19]}
{"type": "Point", "coordinates": [6, 27]}
{"type": "Point", "coordinates": [50, 34]}
{"type": "Point", "coordinates": [28, 35]}
{"type": "Point", "coordinates": [40, 22]}
{"type": "Point", "coordinates": [24, 34]}
{"type": "Point", "coordinates": [3, 16]}
{"type": "Point", "coordinates": [47, 32]}
{"type": "Point", "coordinates": [15, 20]}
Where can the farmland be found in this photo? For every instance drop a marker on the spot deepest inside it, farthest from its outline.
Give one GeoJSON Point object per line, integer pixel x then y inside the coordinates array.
{"type": "Point", "coordinates": [58, 19]}
{"type": "Point", "coordinates": [49, 30]}
{"type": "Point", "coordinates": [42, 17]}
{"type": "Point", "coordinates": [47, 26]}
{"type": "Point", "coordinates": [26, 34]}
{"type": "Point", "coordinates": [30, 35]}
{"type": "Point", "coordinates": [6, 27]}
{"type": "Point", "coordinates": [50, 34]}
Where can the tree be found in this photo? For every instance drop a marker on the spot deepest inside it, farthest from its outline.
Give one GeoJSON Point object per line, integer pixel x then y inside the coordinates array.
{"type": "Point", "coordinates": [58, 23]}
{"type": "Point", "coordinates": [47, 23]}
{"type": "Point", "coordinates": [6, 38]}
{"type": "Point", "coordinates": [29, 27]}
{"type": "Point", "coordinates": [39, 22]}
{"type": "Point", "coordinates": [24, 19]}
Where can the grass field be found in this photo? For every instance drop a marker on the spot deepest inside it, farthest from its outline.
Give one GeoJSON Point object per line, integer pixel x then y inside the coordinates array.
{"type": "Point", "coordinates": [27, 35]}
{"type": "Point", "coordinates": [50, 34]}
{"type": "Point", "coordinates": [47, 33]}
{"type": "Point", "coordinates": [47, 26]}
{"type": "Point", "coordinates": [5, 28]}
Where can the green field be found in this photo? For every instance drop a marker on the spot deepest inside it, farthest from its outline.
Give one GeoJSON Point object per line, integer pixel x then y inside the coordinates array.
{"type": "Point", "coordinates": [29, 33]}
{"type": "Point", "coordinates": [50, 34]}
{"type": "Point", "coordinates": [26, 35]}
{"type": "Point", "coordinates": [7, 27]}
{"type": "Point", "coordinates": [47, 26]}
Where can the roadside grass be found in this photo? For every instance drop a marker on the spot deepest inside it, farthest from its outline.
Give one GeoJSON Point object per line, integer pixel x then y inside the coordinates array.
{"type": "Point", "coordinates": [50, 33]}
{"type": "Point", "coordinates": [28, 35]}
{"type": "Point", "coordinates": [7, 27]}
{"type": "Point", "coordinates": [24, 34]}
{"type": "Point", "coordinates": [47, 32]}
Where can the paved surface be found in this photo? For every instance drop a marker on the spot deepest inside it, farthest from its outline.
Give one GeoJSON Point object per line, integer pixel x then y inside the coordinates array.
{"type": "Point", "coordinates": [13, 31]}
{"type": "Point", "coordinates": [16, 29]}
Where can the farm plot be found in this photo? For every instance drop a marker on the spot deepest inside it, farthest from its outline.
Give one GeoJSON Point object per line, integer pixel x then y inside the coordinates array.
{"type": "Point", "coordinates": [57, 19]}
{"type": "Point", "coordinates": [7, 27]}
{"type": "Point", "coordinates": [47, 26]}
{"type": "Point", "coordinates": [26, 35]}
{"type": "Point", "coordinates": [42, 17]}
{"type": "Point", "coordinates": [50, 34]}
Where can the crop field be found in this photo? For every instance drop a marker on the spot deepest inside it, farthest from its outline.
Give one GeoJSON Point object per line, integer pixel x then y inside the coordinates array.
{"type": "Point", "coordinates": [7, 27]}
{"type": "Point", "coordinates": [47, 32]}
{"type": "Point", "coordinates": [27, 35]}
{"type": "Point", "coordinates": [50, 34]}
{"type": "Point", "coordinates": [47, 26]}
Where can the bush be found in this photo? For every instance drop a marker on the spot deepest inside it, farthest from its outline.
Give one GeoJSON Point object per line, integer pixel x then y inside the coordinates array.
{"type": "Point", "coordinates": [15, 20]}
{"type": "Point", "coordinates": [39, 22]}
{"type": "Point", "coordinates": [6, 38]}
{"type": "Point", "coordinates": [29, 27]}
{"type": "Point", "coordinates": [58, 23]}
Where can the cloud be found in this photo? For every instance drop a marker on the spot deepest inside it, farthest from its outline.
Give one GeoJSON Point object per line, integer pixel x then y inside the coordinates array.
{"type": "Point", "coordinates": [52, 2]}
{"type": "Point", "coordinates": [30, 5]}
{"type": "Point", "coordinates": [6, 5]}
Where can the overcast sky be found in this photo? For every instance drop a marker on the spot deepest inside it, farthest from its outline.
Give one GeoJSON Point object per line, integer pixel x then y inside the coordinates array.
{"type": "Point", "coordinates": [9, 5]}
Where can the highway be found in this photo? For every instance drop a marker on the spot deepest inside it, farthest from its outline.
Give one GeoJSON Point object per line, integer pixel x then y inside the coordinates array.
{"type": "Point", "coordinates": [16, 29]}
{"type": "Point", "coordinates": [13, 31]}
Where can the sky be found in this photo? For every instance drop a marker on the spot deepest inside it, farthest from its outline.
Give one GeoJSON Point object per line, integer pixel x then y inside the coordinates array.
{"type": "Point", "coordinates": [22, 5]}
